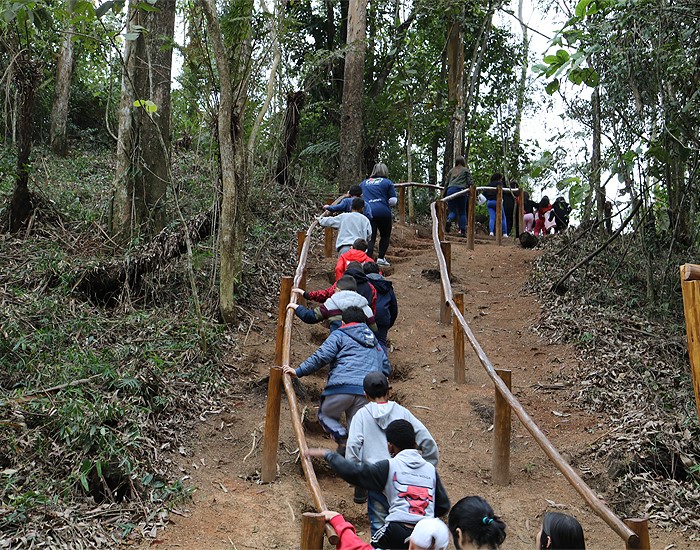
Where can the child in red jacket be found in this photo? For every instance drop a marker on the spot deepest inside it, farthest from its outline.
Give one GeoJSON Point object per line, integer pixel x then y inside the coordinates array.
{"type": "Point", "coordinates": [355, 254]}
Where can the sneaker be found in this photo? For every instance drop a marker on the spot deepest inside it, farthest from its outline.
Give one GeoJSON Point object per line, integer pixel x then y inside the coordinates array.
{"type": "Point", "coordinates": [490, 234]}
{"type": "Point", "coordinates": [448, 226]}
{"type": "Point", "coordinates": [462, 234]}
{"type": "Point", "coordinates": [360, 495]}
{"type": "Point", "coordinates": [383, 262]}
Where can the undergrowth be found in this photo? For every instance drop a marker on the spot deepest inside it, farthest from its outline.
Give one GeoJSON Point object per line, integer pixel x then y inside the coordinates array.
{"type": "Point", "coordinates": [96, 402]}
{"type": "Point", "coordinates": [633, 366]}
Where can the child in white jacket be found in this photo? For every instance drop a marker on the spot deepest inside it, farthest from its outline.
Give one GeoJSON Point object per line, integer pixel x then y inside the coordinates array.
{"type": "Point", "coordinates": [367, 439]}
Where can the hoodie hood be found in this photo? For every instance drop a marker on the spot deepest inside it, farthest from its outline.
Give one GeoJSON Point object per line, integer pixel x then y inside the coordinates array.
{"type": "Point", "coordinates": [384, 413]}
{"type": "Point", "coordinates": [344, 299]}
{"type": "Point", "coordinates": [380, 283]}
{"type": "Point", "coordinates": [411, 459]}
{"type": "Point", "coordinates": [357, 274]}
{"type": "Point", "coordinates": [361, 333]}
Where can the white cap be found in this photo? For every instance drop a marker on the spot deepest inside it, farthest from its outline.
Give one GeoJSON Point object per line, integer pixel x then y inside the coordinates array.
{"type": "Point", "coordinates": [430, 533]}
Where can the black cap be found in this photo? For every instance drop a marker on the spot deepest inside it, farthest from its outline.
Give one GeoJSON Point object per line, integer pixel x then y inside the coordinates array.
{"type": "Point", "coordinates": [376, 384]}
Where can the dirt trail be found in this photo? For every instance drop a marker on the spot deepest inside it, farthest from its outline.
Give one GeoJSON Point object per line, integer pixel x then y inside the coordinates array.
{"type": "Point", "coordinates": [232, 510]}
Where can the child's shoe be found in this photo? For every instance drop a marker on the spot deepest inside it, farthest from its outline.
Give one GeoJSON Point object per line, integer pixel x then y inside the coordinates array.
{"type": "Point", "coordinates": [383, 262]}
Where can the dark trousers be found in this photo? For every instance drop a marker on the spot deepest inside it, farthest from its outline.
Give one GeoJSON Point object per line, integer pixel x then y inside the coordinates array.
{"type": "Point", "coordinates": [458, 208]}
{"type": "Point", "coordinates": [383, 224]}
{"type": "Point", "coordinates": [392, 536]}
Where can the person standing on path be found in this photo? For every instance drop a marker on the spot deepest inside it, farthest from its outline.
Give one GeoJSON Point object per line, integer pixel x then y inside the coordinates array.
{"type": "Point", "coordinates": [378, 190]}
{"type": "Point", "coordinates": [491, 195]}
{"type": "Point", "coordinates": [345, 205]}
{"type": "Point", "coordinates": [350, 225]}
{"type": "Point", "coordinates": [458, 179]}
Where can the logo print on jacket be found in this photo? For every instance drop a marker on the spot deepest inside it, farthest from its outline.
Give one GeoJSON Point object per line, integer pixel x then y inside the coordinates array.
{"type": "Point", "coordinates": [417, 496]}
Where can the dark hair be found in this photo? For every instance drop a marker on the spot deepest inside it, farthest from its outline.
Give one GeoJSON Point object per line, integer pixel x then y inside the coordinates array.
{"type": "Point", "coordinates": [459, 161]}
{"type": "Point", "coordinates": [346, 282]}
{"type": "Point", "coordinates": [358, 205]}
{"type": "Point", "coordinates": [355, 191]}
{"type": "Point", "coordinates": [380, 171]}
{"type": "Point", "coordinates": [353, 314]}
{"type": "Point", "coordinates": [370, 267]}
{"type": "Point", "coordinates": [401, 434]}
{"type": "Point", "coordinates": [354, 265]}
{"type": "Point", "coordinates": [544, 201]}
{"type": "Point", "coordinates": [564, 532]}
{"type": "Point", "coordinates": [360, 244]}
{"type": "Point", "coordinates": [497, 177]}
{"type": "Point", "coordinates": [475, 518]}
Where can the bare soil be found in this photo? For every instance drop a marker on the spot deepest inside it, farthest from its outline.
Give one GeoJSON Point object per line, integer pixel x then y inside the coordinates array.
{"type": "Point", "coordinates": [231, 509]}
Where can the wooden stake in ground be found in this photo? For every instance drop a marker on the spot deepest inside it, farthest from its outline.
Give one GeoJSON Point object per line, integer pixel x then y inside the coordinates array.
{"type": "Point", "coordinates": [690, 285]}
{"type": "Point", "coordinates": [501, 434]}
{"type": "Point", "coordinates": [458, 341]}
{"type": "Point", "coordinates": [312, 527]}
{"type": "Point", "coordinates": [641, 527]}
{"type": "Point", "coordinates": [402, 205]}
{"type": "Point", "coordinates": [274, 390]}
{"type": "Point", "coordinates": [445, 317]}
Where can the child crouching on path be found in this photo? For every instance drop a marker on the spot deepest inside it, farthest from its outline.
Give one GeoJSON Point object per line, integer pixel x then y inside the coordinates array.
{"type": "Point", "coordinates": [351, 352]}
{"type": "Point", "coordinates": [367, 441]}
{"type": "Point", "coordinates": [344, 296]}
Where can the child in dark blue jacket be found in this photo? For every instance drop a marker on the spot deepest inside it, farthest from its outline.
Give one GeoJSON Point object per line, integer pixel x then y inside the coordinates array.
{"type": "Point", "coordinates": [386, 308]}
{"type": "Point", "coordinates": [345, 205]}
{"type": "Point", "coordinates": [351, 352]}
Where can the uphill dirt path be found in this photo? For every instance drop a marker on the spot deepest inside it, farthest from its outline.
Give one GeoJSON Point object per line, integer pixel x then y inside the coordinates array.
{"type": "Point", "coordinates": [231, 509]}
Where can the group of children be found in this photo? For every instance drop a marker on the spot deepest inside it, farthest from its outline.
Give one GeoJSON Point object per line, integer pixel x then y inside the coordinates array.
{"type": "Point", "coordinates": [383, 449]}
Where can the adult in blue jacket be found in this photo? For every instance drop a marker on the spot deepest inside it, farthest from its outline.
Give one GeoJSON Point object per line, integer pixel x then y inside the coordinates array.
{"type": "Point", "coordinates": [351, 351]}
{"type": "Point", "coordinates": [378, 190]}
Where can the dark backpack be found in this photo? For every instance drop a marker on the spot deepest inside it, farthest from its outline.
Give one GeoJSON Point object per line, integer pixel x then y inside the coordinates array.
{"type": "Point", "coordinates": [562, 209]}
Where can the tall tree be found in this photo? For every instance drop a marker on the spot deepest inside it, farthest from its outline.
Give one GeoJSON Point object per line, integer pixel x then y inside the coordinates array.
{"type": "Point", "coordinates": [143, 147]}
{"type": "Point", "coordinates": [64, 74]}
{"type": "Point", "coordinates": [455, 90]}
{"type": "Point", "coordinates": [353, 90]}
{"type": "Point", "coordinates": [233, 59]}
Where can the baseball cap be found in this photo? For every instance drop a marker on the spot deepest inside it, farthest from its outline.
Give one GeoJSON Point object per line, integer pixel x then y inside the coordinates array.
{"type": "Point", "coordinates": [430, 533]}
{"type": "Point", "coordinates": [375, 384]}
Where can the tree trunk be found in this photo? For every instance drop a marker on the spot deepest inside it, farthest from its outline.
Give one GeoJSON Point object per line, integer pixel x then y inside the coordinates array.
{"type": "Point", "coordinates": [475, 72]}
{"type": "Point", "coordinates": [520, 99]}
{"type": "Point", "coordinates": [595, 160]}
{"type": "Point", "coordinates": [27, 75]}
{"type": "Point", "coordinates": [295, 102]}
{"type": "Point", "coordinates": [455, 89]}
{"type": "Point", "coordinates": [437, 132]}
{"type": "Point", "coordinates": [233, 68]}
{"type": "Point", "coordinates": [64, 73]}
{"type": "Point", "coordinates": [352, 115]}
{"type": "Point", "coordinates": [143, 146]}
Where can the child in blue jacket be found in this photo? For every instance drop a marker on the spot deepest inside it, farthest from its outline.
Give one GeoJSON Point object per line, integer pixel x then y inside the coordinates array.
{"type": "Point", "coordinates": [345, 205]}
{"type": "Point", "coordinates": [351, 352]}
{"type": "Point", "coordinates": [386, 307]}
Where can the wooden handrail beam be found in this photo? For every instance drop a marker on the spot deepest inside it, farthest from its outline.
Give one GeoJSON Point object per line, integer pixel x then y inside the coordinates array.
{"type": "Point", "coordinates": [602, 511]}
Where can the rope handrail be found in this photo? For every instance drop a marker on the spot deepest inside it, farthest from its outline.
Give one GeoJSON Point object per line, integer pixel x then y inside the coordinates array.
{"type": "Point", "coordinates": [602, 511]}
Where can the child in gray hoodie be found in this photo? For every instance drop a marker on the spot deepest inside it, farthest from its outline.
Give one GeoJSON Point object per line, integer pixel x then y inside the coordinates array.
{"type": "Point", "coordinates": [367, 440]}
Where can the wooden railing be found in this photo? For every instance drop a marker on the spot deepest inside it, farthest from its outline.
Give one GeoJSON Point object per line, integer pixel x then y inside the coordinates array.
{"type": "Point", "coordinates": [633, 531]}
{"type": "Point", "coordinates": [505, 402]}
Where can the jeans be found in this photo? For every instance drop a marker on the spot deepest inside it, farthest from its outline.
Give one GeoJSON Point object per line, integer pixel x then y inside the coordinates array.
{"type": "Point", "coordinates": [491, 205]}
{"type": "Point", "coordinates": [377, 510]}
{"type": "Point", "coordinates": [458, 208]}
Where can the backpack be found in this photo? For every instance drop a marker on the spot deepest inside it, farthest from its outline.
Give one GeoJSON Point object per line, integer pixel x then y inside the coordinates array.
{"type": "Point", "coordinates": [562, 209]}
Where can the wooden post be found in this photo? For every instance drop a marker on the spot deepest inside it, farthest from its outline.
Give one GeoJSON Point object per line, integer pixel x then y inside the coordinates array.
{"type": "Point", "coordinates": [312, 528]}
{"type": "Point", "coordinates": [458, 339]}
{"type": "Point", "coordinates": [301, 238]}
{"type": "Point", "coordinates": [521, 213]}
{"type": "Point", "coordinates": [690, 286]}
{"type": "Point", "coordinates": [471, 211]}
{"type": "Point", "coordinates": [445, 311]}
{"type": "Point", "coordinates": [641, 527]}
{"type": "Point", "coordinates": [328, 242]}
{"type": "Point", "coordinates": [501, 434]}
{"type": "Point", "coordinates": [402, 205]}
{"type": "Point", "coordinates": [440, 207]}
{"type": "Point", "coordinates": [274, 390]}
{"type": "Point", "coordinates": [499, 214]}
